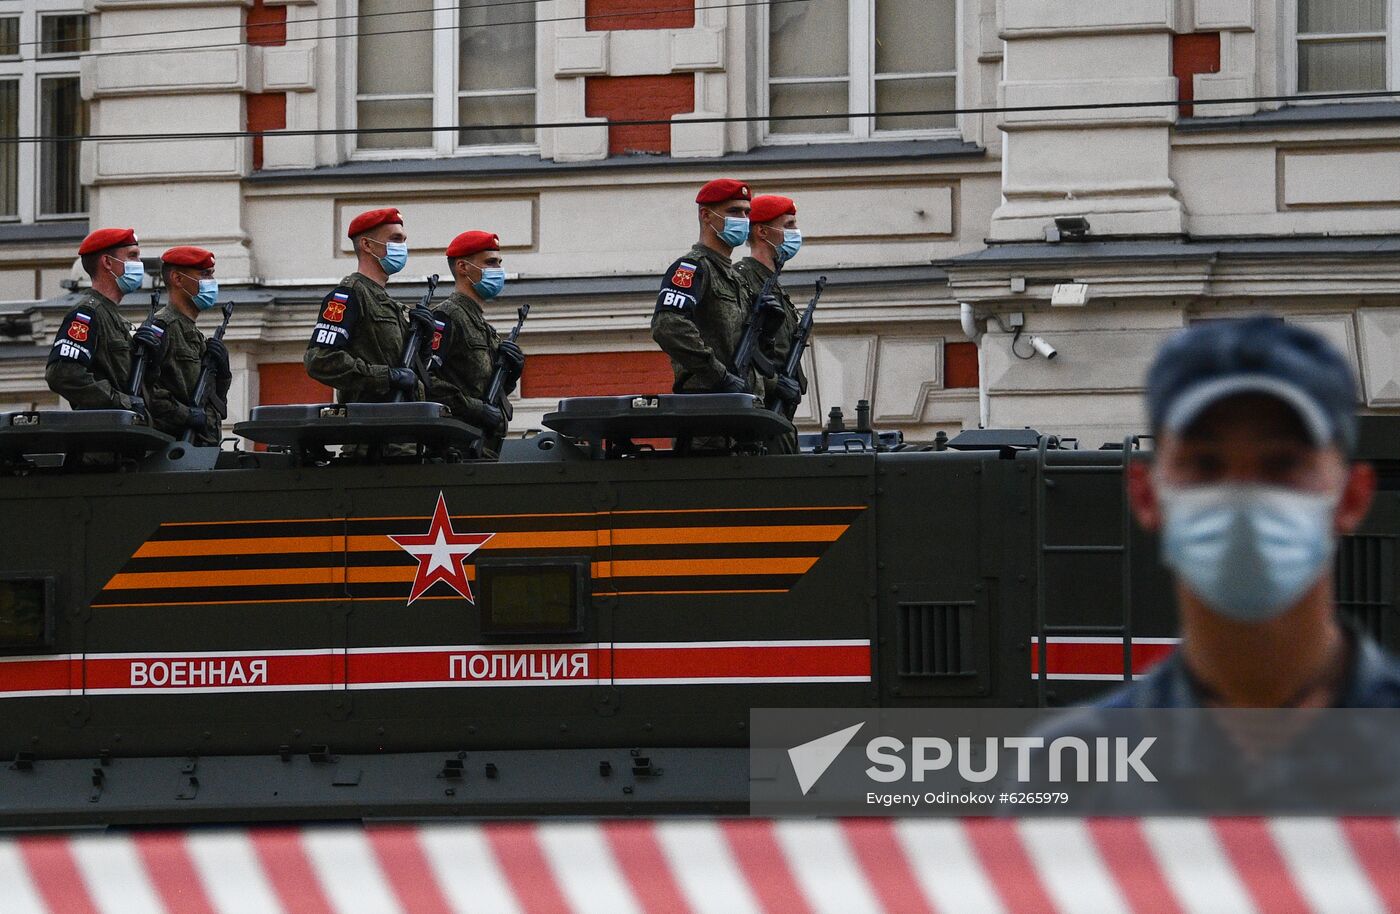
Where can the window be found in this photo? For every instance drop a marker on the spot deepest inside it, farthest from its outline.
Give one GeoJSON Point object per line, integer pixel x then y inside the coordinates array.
{"type": "Point", "coordinates": [1346, 45]}
{"type": "Point", "coordinates": [40, 44]}
{"type": "Point", "coordinates": [839, 56]}
{"type": "Point", "coordinates": [472, 65]}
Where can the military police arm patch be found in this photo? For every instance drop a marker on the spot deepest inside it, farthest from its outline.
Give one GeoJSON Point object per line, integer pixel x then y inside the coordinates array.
{"type": "Point", "coordinates": [336, 319]}
{"type": "Point", "coordinates": [77, 336]}
{"type": "Point", "coordinates": [681, 290]}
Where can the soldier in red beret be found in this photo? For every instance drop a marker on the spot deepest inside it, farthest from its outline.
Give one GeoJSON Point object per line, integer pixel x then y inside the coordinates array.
{"type": "Point", "coordinates": [774, 239]}
{"type": "Point", "coordinates": [188, 274]}
{"type": "Point", "coordinates": [357, 344]}
{"type": "Point", "coordinates": [465, 346]}
{"type": "Point", "coordinates": [90, 361]}
{"type": "Point", "coordinates": [700, 310]}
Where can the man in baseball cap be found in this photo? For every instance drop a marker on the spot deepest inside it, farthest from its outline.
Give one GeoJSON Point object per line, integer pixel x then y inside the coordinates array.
{"type": "Point", "coordinates": [701, 308]}
{"type": "Point", "coordinates": [90, 361]}
{"type": "Point", "coordinates": [1251, 486]}
{"type": "Point", "coordinates": [465, 346]}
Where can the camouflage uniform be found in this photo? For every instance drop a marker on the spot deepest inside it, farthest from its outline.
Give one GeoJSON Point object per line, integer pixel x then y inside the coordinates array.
{"type": "Point", "coordinates": [359, 336]}
{"type": "Point", "coordinates": [462, 362]}
{"type": "Point", "coordinates": [90, 361]}
{"type": "Point", "coordinates": [699, 320]}
{"type": "Point", "coordinates": [171, 382]}
{"type": "Point", "coordinates": [777, 347]}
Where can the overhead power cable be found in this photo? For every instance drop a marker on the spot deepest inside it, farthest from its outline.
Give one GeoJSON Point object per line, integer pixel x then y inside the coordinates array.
{"type": "Point", "coordinates": [455, 27]}
{"type": "Point", "coordinates": [717, 119]}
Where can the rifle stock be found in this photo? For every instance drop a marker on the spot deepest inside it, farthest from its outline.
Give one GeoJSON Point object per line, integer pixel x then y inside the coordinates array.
{"type": "Point", "coordinates": [206, 375]}
{"type": "Point", "coordinates": [415, 342]}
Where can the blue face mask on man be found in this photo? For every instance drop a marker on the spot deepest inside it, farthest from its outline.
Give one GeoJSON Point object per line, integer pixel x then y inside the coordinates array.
{"type": "Point", "coordinates": [208, 294]}
{"type": "Point", "coordinates": [735, 231]}
{"type": "Point", "coordinates": [129, 280]}
{"type": "Point", "coordinates": [792, 243]}
{"type": "Point", "coordinates": [493, 280]}
{"type": "Point", "coordinates": [395, 257]}
{"type": "Point", "coordinates": [1248, 551]}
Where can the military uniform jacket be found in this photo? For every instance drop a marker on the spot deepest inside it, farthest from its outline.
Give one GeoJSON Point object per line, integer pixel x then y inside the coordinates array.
{"type": "Point", "coordinates": [359, 335]}
{"type": "Point", "coordinates": [699, 320]}
{"type": "Point", "coordinates": [90, 360]}
{"type": "Point", "coordinates": [463, 358]}
{"type": "Point", "coordinates": [171, 382]}
{"type": "Point", "coordinates": [779, 345]}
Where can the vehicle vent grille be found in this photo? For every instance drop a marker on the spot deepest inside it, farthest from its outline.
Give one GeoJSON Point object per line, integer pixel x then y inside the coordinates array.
{"type": "Point", "coordinates": [935, 639]}
{"type": "Point", "coordinates": [1365, 581]}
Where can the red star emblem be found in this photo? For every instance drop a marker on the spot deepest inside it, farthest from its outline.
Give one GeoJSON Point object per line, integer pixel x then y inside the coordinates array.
{"type": "Point", "coordinates": [441, 553]}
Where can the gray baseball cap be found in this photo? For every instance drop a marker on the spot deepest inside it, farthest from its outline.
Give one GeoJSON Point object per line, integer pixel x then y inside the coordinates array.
{"type": "Point", "coordinates": [1214, 360]}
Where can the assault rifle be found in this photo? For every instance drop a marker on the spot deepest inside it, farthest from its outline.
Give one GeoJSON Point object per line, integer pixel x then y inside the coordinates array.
{"type": "Point", "coordinates": [749, 355]}
{"type": "Point", "coordinates": [496, 389]}
{"type": "Point", "coordinates": [204, 386]}
{"type": "Point", "coordinates": [495, 392]}
{"type": "Point", "coordinates": [415, 342]}
{"type": "Point", "coordinates": [143, 355]}
{"type": "Point", "coordinates": [800, 338]}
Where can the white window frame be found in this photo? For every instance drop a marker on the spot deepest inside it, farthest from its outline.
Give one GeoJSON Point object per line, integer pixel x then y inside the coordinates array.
{"type": "Point", "coordinates": [30, 69]}
{"type": "Point", "coordinates": [445, 94]}
{"type": "Point", "coordinates": [1391, 33]}
{"type": "Point", "coordinates": [862, 79]}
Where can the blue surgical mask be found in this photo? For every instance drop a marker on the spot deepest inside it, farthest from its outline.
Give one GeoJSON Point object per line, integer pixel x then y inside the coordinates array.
{"type": "Point", "coordinates": [493, 280]}
{"type": "Point", "coordinates": [133, 272]}
{"type": "Point", "coordinates": [792, 243]}
{"type": "Point", "coordinates": [1248, 551]}
{"type": "Point", "coordinates": [735, 231]}
{"type": "Point", "coordinates": [395, 257]}
{"type": "Point", "coordinates": [208, 294]}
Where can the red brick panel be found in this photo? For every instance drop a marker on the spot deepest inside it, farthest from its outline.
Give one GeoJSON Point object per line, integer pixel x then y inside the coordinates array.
{"type": "Point", "coordinates": [606, 15]}
{"type": "Point", "coordinates": [959, 365]}
{"type": "Point", "coordinates": [631, 98]}
{"type": "Point", "coordinates": [267, 25]}
{"type": "Point", "coordinates": [288, 382]}
{"type": "Point", "coordinates": [1192, 54]}
{"type": "Point", "coordinates": [596, 374]}
{"type": "Point", "coordinates": [266, 111]}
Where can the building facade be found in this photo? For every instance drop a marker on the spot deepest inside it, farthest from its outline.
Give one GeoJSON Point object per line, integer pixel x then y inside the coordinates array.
{"type": "Point", "coordinates": [578, 130]}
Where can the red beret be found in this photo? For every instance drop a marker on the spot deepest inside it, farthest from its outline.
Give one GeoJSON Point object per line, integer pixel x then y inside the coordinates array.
{"type": "Point", "coordinates": [722, 189]}
{"type": "Point", "coordinates": [472, 242]}
{"type": "Point", "coordinates": [373, 219]}
{"type": "Point", "coordinates": [186, 256]}
{"type": "Point", "coordinates": [768, 207]}
{"type": "Point", "coordinates": [102, 239]}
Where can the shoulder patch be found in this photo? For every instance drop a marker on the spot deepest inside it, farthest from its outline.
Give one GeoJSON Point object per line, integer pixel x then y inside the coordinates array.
{"type": "Point", "coordinates": [335, 304]}
{"type": "Point", "coordinates": [684, 275]}
{"type": "Point", "coordinates": [78, 325]}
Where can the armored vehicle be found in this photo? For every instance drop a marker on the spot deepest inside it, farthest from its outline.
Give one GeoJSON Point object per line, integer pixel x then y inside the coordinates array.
{"type": "Point", "coordinates": [284, 633]}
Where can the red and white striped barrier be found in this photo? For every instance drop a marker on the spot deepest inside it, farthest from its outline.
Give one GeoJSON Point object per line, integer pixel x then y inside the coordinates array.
{"type": "Point", "coordinates": [910, 866]}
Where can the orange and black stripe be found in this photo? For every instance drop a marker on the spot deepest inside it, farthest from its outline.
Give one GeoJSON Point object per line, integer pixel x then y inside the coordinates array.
{"type": "Point", "coordinates": [637, 552]}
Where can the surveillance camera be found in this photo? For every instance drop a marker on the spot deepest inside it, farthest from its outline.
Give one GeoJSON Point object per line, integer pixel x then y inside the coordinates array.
{"type": "Point", "coordinates": [1042, 347]}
